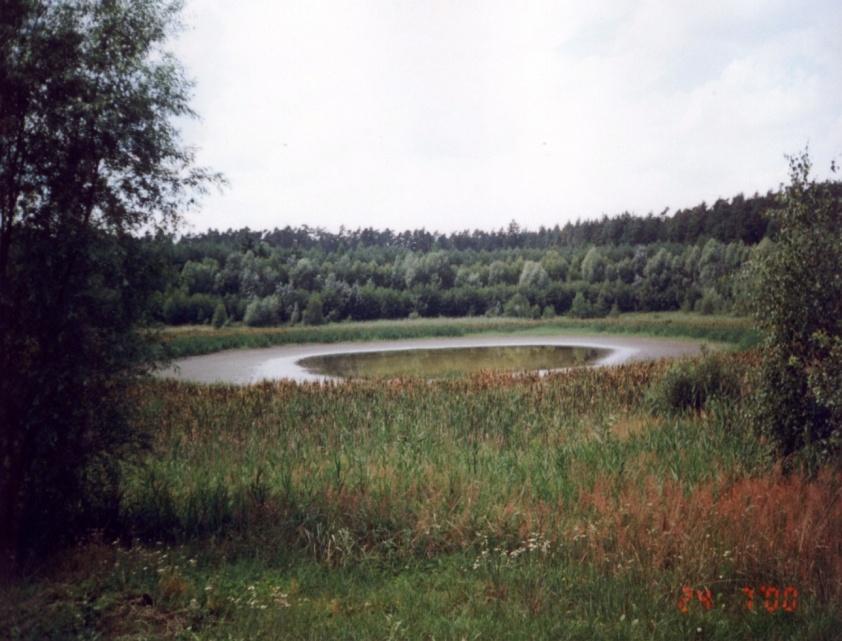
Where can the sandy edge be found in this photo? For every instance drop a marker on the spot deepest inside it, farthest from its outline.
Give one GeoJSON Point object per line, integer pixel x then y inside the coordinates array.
{"type": "Point", "coordinates": [244, 366]}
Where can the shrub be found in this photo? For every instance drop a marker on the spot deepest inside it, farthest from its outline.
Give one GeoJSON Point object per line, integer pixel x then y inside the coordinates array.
{"type": "Point", "coordinates": [180, 308]}
{"type": "Point", "coordinates": [518, 306]}
{"type": "Point", "coordinates": [798, 304]}
{"type": "Point", "coordinates": [220, 316]}
{"type": "Point", "coordinates": [313, 312]}
{"type": "Point", "coordinates": [690, 385]}
{"type": "Point", "coordinates": [262, 312]}
{"type": "Point", "coordinates": [710, 303]}
{"type": "Point", "coordinates": [581, 307]}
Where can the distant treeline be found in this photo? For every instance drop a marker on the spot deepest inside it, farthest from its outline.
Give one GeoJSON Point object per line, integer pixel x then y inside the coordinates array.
{"type": "Point", "coordinates": [739, 219]}
{"type": "Point", "coordinates": [588, 268]}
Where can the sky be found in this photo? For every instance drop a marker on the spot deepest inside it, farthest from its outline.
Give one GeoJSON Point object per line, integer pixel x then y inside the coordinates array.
{"type": "Point", "coordinates": [467, 114]}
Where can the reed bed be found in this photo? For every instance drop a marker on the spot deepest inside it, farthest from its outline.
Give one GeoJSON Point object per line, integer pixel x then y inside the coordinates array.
{"type": "Point", "coordinates": [496, 506]}
{"type": "Point", "coordinates": [383, 460]}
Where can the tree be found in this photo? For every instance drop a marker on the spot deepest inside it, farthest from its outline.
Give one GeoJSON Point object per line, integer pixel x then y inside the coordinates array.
{"type": "Point", "coordinates": [581, 307]}
{"type": "Point", "coordinates": [313, 314]}
{"type": "Point", "coordinates": [89, 155]}
{"type": "Point", "coordinates": [593, 266]}
{"type": "Point", "coordinates": [220, 316]}
{"type": "Point", "coordinates": [518, 306]}
{"type": "Point", "coordinates": [533, 275]}
{"type": "Point", "coordinates": [798, 304]}
{"type": "Point", "coordinates": [263, 312]}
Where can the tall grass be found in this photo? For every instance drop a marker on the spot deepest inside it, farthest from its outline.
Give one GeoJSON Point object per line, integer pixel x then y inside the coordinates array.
{"type": "Point", "coordinates": [408, 469]}
{"type": "Point", "coordinates": [495, 506]}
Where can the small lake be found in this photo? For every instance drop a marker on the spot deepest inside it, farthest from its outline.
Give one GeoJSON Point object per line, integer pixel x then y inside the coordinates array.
{"type": "Point", "coordinates": [424, 357]}
{"type": "Point", "coordinates": [450, 362]}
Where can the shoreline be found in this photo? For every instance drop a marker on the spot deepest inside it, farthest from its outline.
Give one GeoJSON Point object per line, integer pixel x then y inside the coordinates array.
{"type": "Point", "coordinates": [248, 366]}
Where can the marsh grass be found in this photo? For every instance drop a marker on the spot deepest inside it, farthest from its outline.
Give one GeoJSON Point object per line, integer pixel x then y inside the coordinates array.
{"type": "Point", "coordinates": [193, 340]}
{"type": "Point", "coordinates": [496, 506]}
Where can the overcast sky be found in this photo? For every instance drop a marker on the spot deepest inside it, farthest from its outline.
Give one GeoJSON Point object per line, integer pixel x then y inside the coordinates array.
{"type": "Point", "coordinates": [467, 114]}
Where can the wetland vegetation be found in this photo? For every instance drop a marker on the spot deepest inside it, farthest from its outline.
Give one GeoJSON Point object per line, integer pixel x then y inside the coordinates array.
{"type": "Point", "coordinates": [576, 505]}
{"type": "Point", "coordinates": [697, 498]}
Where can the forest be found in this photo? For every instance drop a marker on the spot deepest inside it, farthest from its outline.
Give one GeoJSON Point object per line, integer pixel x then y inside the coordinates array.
{"type": "Point", "coordinates": [689, 261]}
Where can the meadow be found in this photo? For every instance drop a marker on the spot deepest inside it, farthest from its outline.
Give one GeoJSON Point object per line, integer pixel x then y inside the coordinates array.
{"type": "Point", "coordinates": [633, 502]}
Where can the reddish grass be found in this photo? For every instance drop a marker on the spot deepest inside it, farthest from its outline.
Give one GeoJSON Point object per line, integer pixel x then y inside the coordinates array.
{"type": "Point", "coordinates": [773, 528]}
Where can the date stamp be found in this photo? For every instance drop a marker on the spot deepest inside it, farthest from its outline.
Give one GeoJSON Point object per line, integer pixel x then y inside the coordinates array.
{"type": "Point", "coordinates": [768, 598]}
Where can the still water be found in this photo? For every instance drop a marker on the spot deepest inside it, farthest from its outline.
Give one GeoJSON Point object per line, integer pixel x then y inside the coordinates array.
{"type": "Point", "coordinates": [447, 363]}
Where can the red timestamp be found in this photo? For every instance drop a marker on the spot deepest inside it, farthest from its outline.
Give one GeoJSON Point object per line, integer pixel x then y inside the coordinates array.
{"type": "Point", "coordinates": [768, 597]}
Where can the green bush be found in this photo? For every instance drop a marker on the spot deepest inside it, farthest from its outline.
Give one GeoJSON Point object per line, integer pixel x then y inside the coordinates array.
{"type": "Point", "coordinates": [711, 303]}
{"type": "Point", "coordinates": [262, 312]}
{"type": "Point", "coordinates": [798, 303]}
{"type": "Point", "coordinates": [581, 307]}
{"type": "Point", "coordinates": [689, 385]}
{"type": "Point", "coordinates": [518, 307]}
{"type": "Point", "coordinates": [313, 312]}
{"type": "Point", "coordinates": [220, 316]}
{"type": "Point", "coordinates": [180, 308]}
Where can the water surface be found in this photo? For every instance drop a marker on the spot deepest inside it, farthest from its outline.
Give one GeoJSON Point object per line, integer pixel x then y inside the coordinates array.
{"type": "Point", "coordinates": [244, 366]}
{"type": "Point", "coordinates": [446, 363]}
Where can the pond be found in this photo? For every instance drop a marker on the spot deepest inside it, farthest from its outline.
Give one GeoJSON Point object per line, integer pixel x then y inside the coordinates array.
{"type": "Point", "coordinates": [313, 362]}
{"type": "Point", "coordinates": [450, 362]}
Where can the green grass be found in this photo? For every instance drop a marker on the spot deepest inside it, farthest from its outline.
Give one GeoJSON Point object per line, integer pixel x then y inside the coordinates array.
{"type": "Point", "coordinates": [494, 507]}
{"type": "Point", "coordinates": [193, 596]}
{"type": "Point", "coordinates": [193, 340]}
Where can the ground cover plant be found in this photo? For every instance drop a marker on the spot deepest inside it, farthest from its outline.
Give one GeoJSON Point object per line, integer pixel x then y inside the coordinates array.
{"type": "Point", "coordinates": [193, 340]}
{"type": "Point", "coordinates": [489, 507]}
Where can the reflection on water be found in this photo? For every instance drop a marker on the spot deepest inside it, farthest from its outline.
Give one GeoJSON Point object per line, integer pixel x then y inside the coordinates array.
{"type": "Point", "coordinates": [445, 363]}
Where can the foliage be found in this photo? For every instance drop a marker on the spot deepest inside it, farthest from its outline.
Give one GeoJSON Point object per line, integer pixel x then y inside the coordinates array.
{"type": "Point", "coordinates": [798, 305]}
{"type": "Point", "coordinates": [370, 510]}
{"type": "Point", "coordinates": [581, 307]}
{"type": "Point", "coordinates": [710, 303]}
{"type": "Point", "coordinates": [262, 312]}
{"type": "Point", "coordinates": [686, 261]}
{"type": "Point", "coordinates": [533, 275]}
{"type": "Point", "coordinates": [220, 316]}
{"type": "Point", "coordinates": [518, 307]}
{"type": "Point", "coordinates": [88, 155]}
{"type": "Point", "coordinates": [313, 312]}
{"type": "Point", "coordinates": [690, 385]}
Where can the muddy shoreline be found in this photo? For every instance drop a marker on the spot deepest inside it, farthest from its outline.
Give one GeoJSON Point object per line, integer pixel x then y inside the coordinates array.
{"type": "Point", "coordinates": [244, 366]}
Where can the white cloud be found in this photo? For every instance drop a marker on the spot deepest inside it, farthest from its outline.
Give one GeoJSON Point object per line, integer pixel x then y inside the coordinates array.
{"type": "Point", "coordinates": [454, 115]}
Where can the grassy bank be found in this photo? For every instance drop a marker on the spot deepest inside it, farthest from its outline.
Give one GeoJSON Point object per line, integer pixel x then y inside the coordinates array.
{"type": "Point", "coordinates": [495, 507]}
{"type": "Point", "coordinates": [193, 340]}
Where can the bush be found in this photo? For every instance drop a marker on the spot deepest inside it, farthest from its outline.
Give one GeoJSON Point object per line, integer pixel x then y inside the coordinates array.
{"type": "Point", "coordinates": [220, 316]}
{"type": "Point", "coordinates": [690, 385]}
{"type": "Point", "coordinates": [180, 308]}
{"type": "Point", "coordinates": [581, 307]}
{"type": "Point", "coordinates": [798, 304]}
{"type": "Point", "coordinates": [313, 314]}
{"type": "Point", "coordinates": [710, 303]}
{"type": "Point", "coordinates": [518, 307]}
{"type": "Point", "coordinates": [262, 312]}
